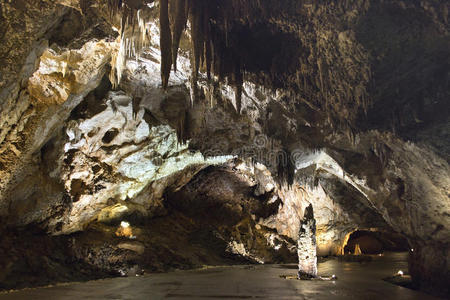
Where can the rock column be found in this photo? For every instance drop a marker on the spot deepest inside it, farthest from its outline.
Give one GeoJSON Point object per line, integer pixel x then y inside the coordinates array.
{"type": "Point", "coordinates": [306, 246]}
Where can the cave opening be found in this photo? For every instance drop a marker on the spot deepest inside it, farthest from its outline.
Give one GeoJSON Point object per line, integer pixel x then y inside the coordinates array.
{"type": "Point", "coordinates": [224, 149]}
{"type": "Point", "coordinates": [375, 242]}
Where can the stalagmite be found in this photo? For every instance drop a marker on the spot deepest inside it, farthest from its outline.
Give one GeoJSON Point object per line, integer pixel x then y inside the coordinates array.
{"type": "Point", "coordinates": [357, 250]}
{"type": "Point", "coordinates": [306, 246]}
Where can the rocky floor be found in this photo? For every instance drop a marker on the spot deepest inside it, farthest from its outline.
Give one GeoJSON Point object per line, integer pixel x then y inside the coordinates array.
{"type": "Point", "coordinates": [29, 258]}
{"type": "Point", "coordinates": [355, 281]}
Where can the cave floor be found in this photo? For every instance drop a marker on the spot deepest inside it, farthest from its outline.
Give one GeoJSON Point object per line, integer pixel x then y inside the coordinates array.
{"type": "Point", "coordinates": [355, 281]}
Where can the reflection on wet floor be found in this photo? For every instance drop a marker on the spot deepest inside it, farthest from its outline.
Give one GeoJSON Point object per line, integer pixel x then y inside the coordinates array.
{"type": "Point", "coordinates": [356, 281]}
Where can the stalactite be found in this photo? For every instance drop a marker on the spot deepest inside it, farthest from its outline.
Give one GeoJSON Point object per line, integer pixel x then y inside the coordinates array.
{"type": "Point", "coordinates": [142, 29]}
{"type": "Point", "coordinates": [133, 33]}
{"type": "Point", "coordinates": [180, 131]}
{"type": "Point", "coordinates": [118, 64]}
{"type": "Point", "coordinates": [114, 7]}
{"type": "Point", "coordinates": [195, 18]}
{"type": "Point", "coordinates": [211, 52]}
{"type": "Point", "coordinates": [165, 42]}
{"type": "Point", "coordinates": [286, 169]}
{"type": "Point", "coordinates": [208, 58]}
{"type": "Point", "coordinates": [179, 23]}
{"type": "Point", "coordinates": [238, 82]}
{"type": "Point", "coordinates": [84, 6]}
{"type": "Point", "coordinates": [207, 45]}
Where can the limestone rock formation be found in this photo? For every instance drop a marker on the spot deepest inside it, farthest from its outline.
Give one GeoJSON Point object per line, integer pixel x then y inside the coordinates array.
{"type": "Point", "coordinates": [274, 105]}
{"type": "Point", "coordinates": [306, 245]}
{"type": "Point", "coordinates": [61, 82]}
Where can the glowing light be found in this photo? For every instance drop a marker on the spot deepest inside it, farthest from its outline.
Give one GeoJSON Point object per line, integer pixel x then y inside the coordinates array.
{"type": "Point", "coordinates": [125, 230]}
{"type": "Point", "coordinates": [412, 250]}
{"type": "Point", "coordinates": [400, 273]}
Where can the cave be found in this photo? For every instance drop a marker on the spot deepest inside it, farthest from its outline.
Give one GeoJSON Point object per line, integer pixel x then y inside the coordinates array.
{"type": "Point", "coordinates": [373, 242]}
{"type": "Point", "coordinates": [190, 149]}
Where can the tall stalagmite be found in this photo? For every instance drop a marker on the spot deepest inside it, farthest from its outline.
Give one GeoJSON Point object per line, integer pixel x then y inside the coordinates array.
{"type": "Point", "coordinates": [306, 246]}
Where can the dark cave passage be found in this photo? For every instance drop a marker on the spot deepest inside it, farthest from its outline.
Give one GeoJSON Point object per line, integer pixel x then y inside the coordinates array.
{"type": "Point", "coordinates": [376, 242]}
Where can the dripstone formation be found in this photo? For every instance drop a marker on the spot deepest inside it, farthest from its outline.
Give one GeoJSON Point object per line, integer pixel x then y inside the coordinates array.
{"type": "Point", "coordinates": [306, 246]}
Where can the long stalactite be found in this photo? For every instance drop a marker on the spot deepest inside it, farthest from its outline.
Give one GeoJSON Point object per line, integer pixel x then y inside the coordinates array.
{"type": "Point", "coordinates": [179, 19]}
{"type": "Point", "coordinates": [219, 51]}
{"type": "Point", "coordinates": [214, 49]}
{"type": "Point", "coordinates": [211, 52]}
{"type": "Point", "coordinates": [165, 42]}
